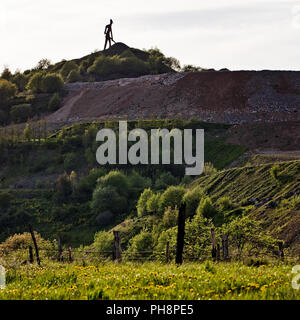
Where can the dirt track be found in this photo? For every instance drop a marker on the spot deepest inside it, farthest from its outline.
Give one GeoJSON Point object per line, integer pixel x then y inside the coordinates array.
{"type": "Point", "coordinates": [231, 97]}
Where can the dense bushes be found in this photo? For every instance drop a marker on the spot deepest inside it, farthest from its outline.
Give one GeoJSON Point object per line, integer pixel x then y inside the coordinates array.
{"type": "Point", "coordinates": [7, 91]}
{"type": "Point", "coordinates": [115, 65]}
{"type": "Point", "coordinates": [42, 82]}
{"type": "Point", "coordinates": [20, 113]}
{"type": "Point", "coordinates": [54, 103]}
{"type": "Point", "coordinates": [172, 198]}
{"type": "Point", "coordinates": [67, 68]}
{"type": "Point", "coordinates": [52, 83]}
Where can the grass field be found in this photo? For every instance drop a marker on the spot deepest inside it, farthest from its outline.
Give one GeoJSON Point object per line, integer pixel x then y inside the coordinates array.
{"type": "Point", "coordinates": [150, 280]}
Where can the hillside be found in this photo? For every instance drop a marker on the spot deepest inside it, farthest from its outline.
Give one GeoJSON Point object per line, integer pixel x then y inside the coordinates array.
{"type": "Point", "coordinates": [215, 96]}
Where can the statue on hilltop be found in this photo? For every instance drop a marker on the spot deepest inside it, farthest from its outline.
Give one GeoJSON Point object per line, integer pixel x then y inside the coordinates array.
{"type": "Point", "coordinates": [108, 34]}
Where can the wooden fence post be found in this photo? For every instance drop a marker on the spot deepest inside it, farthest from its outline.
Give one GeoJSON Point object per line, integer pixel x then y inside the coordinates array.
{"type": "Point", "coordinates": [70, 254]}
{"type": "Point", "coordinates": [218, 252]}
{"type": "Point", "coordinates": [117, 252]}
{"type": "Point", "coordinates": [168, 252]}
{"type": "Point", "coordinates": [35, 245]}
{"type": "Point", "coordinates": [281, 253]}
{"type": "Point", "coordinates": [180, 234]}
{"type": "Point", "coordinates": [60, 250]}
{"type": "Point", "coordinates": [214, 244]}
{"type": "Point", "coordinates": [225, 251]}
{"type": "Point", "coordinates": [30, 254]}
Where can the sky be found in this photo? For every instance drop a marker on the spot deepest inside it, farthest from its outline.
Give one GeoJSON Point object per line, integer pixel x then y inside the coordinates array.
{"type": "Point", "coordinates": [233, 34]}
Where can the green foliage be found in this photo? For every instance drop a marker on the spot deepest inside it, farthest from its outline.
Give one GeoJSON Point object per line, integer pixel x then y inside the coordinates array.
{"type": "Point", "coordinates": [165, 180]}
{"type": "Point", "coordinates": [209, 168]}
{"type": "Point", "coordinates": [54, 103]}
{"type": "Point", "coordinates": [106, 198]}
{"type": "Point", "coordinates": [192, 199]}
{"type": "Point", "coordinates": [74, 76]}
{"type": "Point", "coordinates": [142, 202]}
{"type": "Point", "coordinates": [52, 83]}
{"type": "Point", "coordinates": [70, 162]}
{"type": "Point", "coordinates": [20, 80]}
{"type": "Point", "coordinates": [172, 198]}
{"type": "Point", "coordinates": [137, 184]}
{"type": "Point", "coordinates": [170, 218]}
{"type": "Point", "coordinates": [224, 204]}
{"type": "Point", "coordinates": [63, 188]}
{"type": "Point", "coordinates": [115, 65]}
{"type": "Point", "coordinates": [6, 74]}
{"type": "Point", "coordinates": [7, 91]}
{"type": "Point", "coordinates": [35, 83]}
{"type": "Point", "coordinates": [117, 180]}
{"type": "Point", "coordinates": [206, 208]}
{"type": "Point", "coordinates": [5, 200]}
{"type": "Point", "coordinates": [67, 68]}
{"type": "Point", "coordinates": [143, 243]}
{"type": "Point", "coordinates": [103, 243]}
{"type": "Point", "coordinates": [152, 204]}
{"type": "Point", "coordinates": [246, 232]}
{"type": "Point", "coordinates": [20, 113]}
{"type": "Point", "coordinates": [275, 171]}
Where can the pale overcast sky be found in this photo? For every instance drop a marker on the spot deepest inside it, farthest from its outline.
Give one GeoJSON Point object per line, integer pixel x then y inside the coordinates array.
{"type": "Point", "coordinates": [233, 34]}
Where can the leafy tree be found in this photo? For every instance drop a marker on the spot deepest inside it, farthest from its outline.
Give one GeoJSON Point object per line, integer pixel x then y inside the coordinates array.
{"type": "Point", "coordinates": [143, 243]}
{"type": "Point", "coordinates": [106, 198]}
{"type": "Point", "coordinates": [152, 204]}
{"type": "Point", "coordinates": [172, 198]}
{"type": "Point", "coordinates": [7, 91]}
{"type": "Point", "coordinates": [52, 83]}
{"type": "Point", "coordinates": [35, 83]}
{"type": "Point", "coordinates": [103, 243]}
{"type": "Point", "coordinates": [6, 74]}
{"type": "Point", "coordinates": [246, 232]}
{"type": "Point", "coordinates": [67, 68]}
{"type": "Point", "coordinates": [206, 208]}
{"type": "Point", "coordinates": [117, 180]}
{"type": "Point", "coordinates": [192, 199]}
{"type": "Point", "coordinates": [142, 202]}
{"type": "Point", "coordinates": [43, 64]}
{"type": "Point", "coordinates": [20, 80]}
{"type": "Point", "coordinates": [170, 217]}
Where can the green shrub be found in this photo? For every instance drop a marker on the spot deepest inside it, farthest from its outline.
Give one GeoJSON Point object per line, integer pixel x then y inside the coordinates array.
{"type": "Point", "coordinates": [103, 242]}
{"type": "Point", "coordinates": [165, 180]}
{"type": "Point", "coordinates": [52, 83]}
{"type": "Point", "coordinates": [170, 218]}
{"type": "Point", "coordinates": [206, 208]}
{"type": "Point", "coordinates": [224, 203]}
{"type": "Point", "coordinates": [7, 91]}
{"type": "Point", "coordinates": [143, 243]}
{"type": "Point", "coordinates": [117, 180]}
{"type": "Point", "coordinates": [172, 198]}
{"type": "Point", "coordinates": [142, 202]}
{"type": "Point", "coordinates": [275, 171]}
{"type": "Point", "coordinates": [192, 199]}
{"type": "Point", "coordinates": [74, 76]}
{"type": "Point", "coordinates": [20, 113]}
{"type": "Point", "coordinates": [152, 204]}
{"type": "Point", "coordinates": [70, 162]}
{"type": "Point", "coordinates": [20, 80]}
{"type": "Point", "coordinates": [67, 68]}
{"type": "Point", "coordinates": [35, 83]}
{"type": "Point", "coordinates": [108, 199]}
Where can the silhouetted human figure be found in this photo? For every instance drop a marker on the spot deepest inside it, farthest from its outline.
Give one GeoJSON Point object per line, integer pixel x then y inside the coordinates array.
{"type": "Point", "coordinates": [108, 34]}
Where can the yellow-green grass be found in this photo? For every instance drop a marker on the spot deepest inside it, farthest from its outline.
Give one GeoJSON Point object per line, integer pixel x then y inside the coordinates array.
{"type": "Point", "coordinates": [150, 280]}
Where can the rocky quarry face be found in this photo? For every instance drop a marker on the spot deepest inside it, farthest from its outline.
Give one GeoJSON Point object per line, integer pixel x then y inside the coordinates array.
{"type": "Point", "coordinates": [215, 96]}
